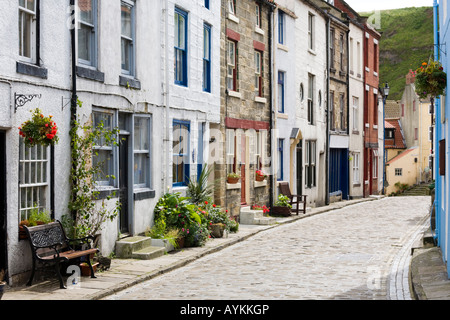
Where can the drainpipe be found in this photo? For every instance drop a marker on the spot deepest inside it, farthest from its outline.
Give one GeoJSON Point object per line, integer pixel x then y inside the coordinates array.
{"type": "Point", "coordinates": [270, 17]}
{"type": "Point", "coordinates": [348, 110]}
{"type": "Point", "coordinates": [437, 130]}
{"type": "Point", "coordinates": [74, 99]}
{"type": "Point", "coordinates": [327, 138]}
{"type": "Point", "coordinates": [167, 161]}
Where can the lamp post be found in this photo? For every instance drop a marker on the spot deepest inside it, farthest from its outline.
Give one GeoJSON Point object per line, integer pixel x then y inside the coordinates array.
{"type": "Point", "coordinates": [386, 90]}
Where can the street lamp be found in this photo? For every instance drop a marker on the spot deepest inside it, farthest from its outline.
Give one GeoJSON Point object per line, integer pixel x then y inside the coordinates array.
{"type": "Point", "coordinates": [386, 90]}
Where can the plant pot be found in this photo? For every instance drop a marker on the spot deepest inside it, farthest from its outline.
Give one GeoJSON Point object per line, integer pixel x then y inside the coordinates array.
{"type": "Point", "coordinates": [217, 230]}
{"type": "Point", "coordinates": [85, 270]}
{"type": "Point", "coordinates": [180, 242]}
{"type": "Point", "coordinates": [232, 180]}
{"type": "Point", "coordinates": [281, 211]}
{"type": "Point", "coordinates": [22, 233]}
{"type": "Point", "coordinates": [260, 178]}
{"type": "Point", "coordinates": [2, 289]}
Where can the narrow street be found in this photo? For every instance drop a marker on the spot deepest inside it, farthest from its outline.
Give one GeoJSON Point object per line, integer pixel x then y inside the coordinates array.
{"type": "Point", "coordinates": [359, 252]}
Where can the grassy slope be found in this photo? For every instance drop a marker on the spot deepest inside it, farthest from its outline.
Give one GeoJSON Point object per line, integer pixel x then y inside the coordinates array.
{"type": "Point", "coordinates": [406, 41]}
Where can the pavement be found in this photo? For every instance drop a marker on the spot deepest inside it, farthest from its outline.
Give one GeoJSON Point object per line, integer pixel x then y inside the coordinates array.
{"type": "Point", "coordinates": [427, 270]}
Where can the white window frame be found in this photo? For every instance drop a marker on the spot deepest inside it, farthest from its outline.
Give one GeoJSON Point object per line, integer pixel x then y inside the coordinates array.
{"type": "Point", "coordinates": [93, 43]}
{"type": "Point", "coordinates": [375, 164]}
{"type": "Point", "coordinates": [34, 179]}
{"type": "Point", "coordinates": [258, 73]}
{"type": "Point", "coordinates": [258, 15]}
{"type": "Point", "coordinates": [231, 66]}
{"type": "Point", "coordinates": [26, 13]}
{"type": "Point", "coordinates": [138, 150]}
{"type": "Point", "coordinates": [232, 7]}
{"type": "Point", "coordinates": [355, 113]}
{"type": "Point", "coordinates": [126, 38]}
{"type": "Point", "coordinates": [311, 94]}
{"type": "Point", "coordinates": [108, 183]}
{"type": "Point", "coordinates": [311, 19]}
{"type": "Point", "coordinates": [356, 168]}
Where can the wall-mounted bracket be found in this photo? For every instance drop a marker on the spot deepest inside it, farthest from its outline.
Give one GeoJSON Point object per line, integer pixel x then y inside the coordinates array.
{"type": "Point", "coordinates": [22, 99]}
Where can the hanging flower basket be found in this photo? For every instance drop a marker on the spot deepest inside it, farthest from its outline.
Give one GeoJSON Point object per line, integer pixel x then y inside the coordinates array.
{"type": "Point", "coordinates": [39, 130]}
{"type": "Point", "coordinates": [259, 175]}
{"type": "Point", "coordinates": [430, 80]}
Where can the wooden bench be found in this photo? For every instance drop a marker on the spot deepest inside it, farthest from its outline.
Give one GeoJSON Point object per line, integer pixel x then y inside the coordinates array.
{"type": "Point", "coordinates": [294, 198]}
{"type": "Point", "coordinates": [50, 245]}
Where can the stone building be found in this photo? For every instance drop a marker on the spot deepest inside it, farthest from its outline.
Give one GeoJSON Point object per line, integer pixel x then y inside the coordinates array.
{"type": "Point", "coordinates": [245, 109]}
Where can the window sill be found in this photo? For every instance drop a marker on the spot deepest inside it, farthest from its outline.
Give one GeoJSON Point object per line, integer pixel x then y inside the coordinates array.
{"type": "Point", "coordinates": [129, 82]}
{"type": "Point", "coordinates": [259, 184]}
{"type": "Point", "coordinates": [91, 74]}
{"type": "Point", "coordinates": [260, 99]}
{"type": "Point", "coordinates": [233, 18]}
{"type": "Point", "coordinates": [311, 51]}
{"type": "Point", "coordinates": [233, 186]}
{"type": "Point", "coordinates": [144, 193]}
{"type": "Point", "coordinates": [105, 192]}
{"type": "Point", "coordinates": [282, 47]}
{"type": "Point", "coordinates": [234, 94]}
{"type": "Point", "coordinates": [282, 116]}
{"type": "Point", "coordinates": [259, 30]}
{"type": "Point", "coordinates": [31, 70]}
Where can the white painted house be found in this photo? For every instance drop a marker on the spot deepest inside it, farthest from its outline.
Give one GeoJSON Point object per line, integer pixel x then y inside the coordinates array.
{"type": "Point", "coordinates": [149, 68]}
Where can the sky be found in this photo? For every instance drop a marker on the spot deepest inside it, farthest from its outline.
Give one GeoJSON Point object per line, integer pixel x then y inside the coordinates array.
{"type": "Point", "coordinates": [369, 5]}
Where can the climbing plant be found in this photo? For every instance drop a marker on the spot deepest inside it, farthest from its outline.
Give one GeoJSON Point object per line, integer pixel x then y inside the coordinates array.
{"type": "Point", "coordinates": [88, 211]}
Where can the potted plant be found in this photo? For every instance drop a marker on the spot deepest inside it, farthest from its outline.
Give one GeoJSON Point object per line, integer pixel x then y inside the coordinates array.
{"type": "Point", "coordinates": [430, 79]}
{"type": "Point", "coordinates": [282, 206]}
{"type": "Point", "coordinates": [85, 270]}
{"type": "Point", "coordinates": [36, 217]}
{"type": "Point", "coordinates": [39, 130]}
{"type": "Point", "coordinates": [2, 283]}
{"type": "Point", "coordinates": [259, 175]}
{"type": "Point", "coordinates": [233, 177]}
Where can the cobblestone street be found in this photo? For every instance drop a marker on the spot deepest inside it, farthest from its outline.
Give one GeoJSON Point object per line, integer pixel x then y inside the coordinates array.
{"type": "Point", "coordinates": [358, 252]}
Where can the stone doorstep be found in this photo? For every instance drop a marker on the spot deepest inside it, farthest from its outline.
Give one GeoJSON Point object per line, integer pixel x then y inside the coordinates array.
{"type": "Point", "coordinates": [255, 217]}
{"type": "Point", "coordinates": [143, 248]}
{"type": "Point", "coordinates": [149, 253]}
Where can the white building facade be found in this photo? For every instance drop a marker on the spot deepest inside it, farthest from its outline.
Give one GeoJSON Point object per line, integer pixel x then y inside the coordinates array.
{"type": "Point", "coordinates": [136, 68]}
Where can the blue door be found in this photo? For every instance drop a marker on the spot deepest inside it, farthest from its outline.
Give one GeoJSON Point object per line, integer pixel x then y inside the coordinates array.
{"type": "Point", "coordinates": [339, 171]}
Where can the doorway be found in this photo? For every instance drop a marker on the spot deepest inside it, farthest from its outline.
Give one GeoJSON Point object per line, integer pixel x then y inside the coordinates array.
{"type": "Point", "coordinates": [299, 162]}
{"type": "Point", "coordinates": [3, 202]}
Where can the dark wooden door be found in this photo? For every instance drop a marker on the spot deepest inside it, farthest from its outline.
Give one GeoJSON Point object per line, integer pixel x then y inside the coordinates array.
{"type": "Point", "coordinates": [299, 160]}
{"type": "Point", "coordinates": [123, 184]}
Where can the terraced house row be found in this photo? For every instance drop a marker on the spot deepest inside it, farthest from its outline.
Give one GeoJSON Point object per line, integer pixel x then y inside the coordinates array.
{"type": "Point", "coordinates": [290, 88]}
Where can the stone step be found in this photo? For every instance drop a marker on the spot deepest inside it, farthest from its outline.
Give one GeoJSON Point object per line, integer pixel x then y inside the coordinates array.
{"type": "Point", "coordinates": [125, 247]}
{"type": "Point", "coordinates": [252, 217]}
{"type": "Point", "coordinates": [148, 253]}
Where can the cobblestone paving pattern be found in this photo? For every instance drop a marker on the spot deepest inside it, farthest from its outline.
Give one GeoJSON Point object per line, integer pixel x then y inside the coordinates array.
{"type": "Point", "coordinates": [342, 254]}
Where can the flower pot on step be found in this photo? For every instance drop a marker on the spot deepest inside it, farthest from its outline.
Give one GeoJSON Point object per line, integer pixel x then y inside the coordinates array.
{"type": "Point", "coordinates": [281, 211]}
{"type": "Point", "coordinates": [85, 270]}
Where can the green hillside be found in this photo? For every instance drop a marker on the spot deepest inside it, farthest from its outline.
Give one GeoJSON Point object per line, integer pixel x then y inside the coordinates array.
{"type": "Point", "coordinates": [406, 41]}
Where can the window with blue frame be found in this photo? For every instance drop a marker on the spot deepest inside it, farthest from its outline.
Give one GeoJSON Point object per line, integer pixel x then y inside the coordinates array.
{"type": "Point", "coordinates": [206, 57]}
{"type": "Point", "coordinates": [281, 90]}
{"type": "Point", "coordinates": [180, 166]}
{"type": "Point", "coordinates": [88, 33]}
{"type": "Point", "coordinates": [280, 159]}
{"type": "Point", "coordinates": [180, 64]}
{"type": "Point", "coordinates": [281, 28]}
{"type": "Point", "coordinates": [207, 4]}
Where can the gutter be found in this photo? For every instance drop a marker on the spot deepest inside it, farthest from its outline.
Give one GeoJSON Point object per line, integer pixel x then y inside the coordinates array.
{"type": "Point", "coordinates": [327, 143]}
{"type": "Point", "coordinates": [437, 178]}
{"type": "Point", "coordinates": [271, 60]}
{"type": "Point", "coordinates": [74, 99]}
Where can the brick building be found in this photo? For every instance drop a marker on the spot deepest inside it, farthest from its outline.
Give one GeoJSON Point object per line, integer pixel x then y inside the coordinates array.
{"type": "Point", "coordinates": [245, 103]}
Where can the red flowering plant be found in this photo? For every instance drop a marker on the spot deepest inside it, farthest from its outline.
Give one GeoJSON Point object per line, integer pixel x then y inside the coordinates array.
{"type": "Point", "coordinates": [264, 208]}
{"type": "Point", "coordinates": [430, 80]}
{"type": "Point", "coordinates": [39, 130]}
{"type": "Point", "coordinates": [213, 214]}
